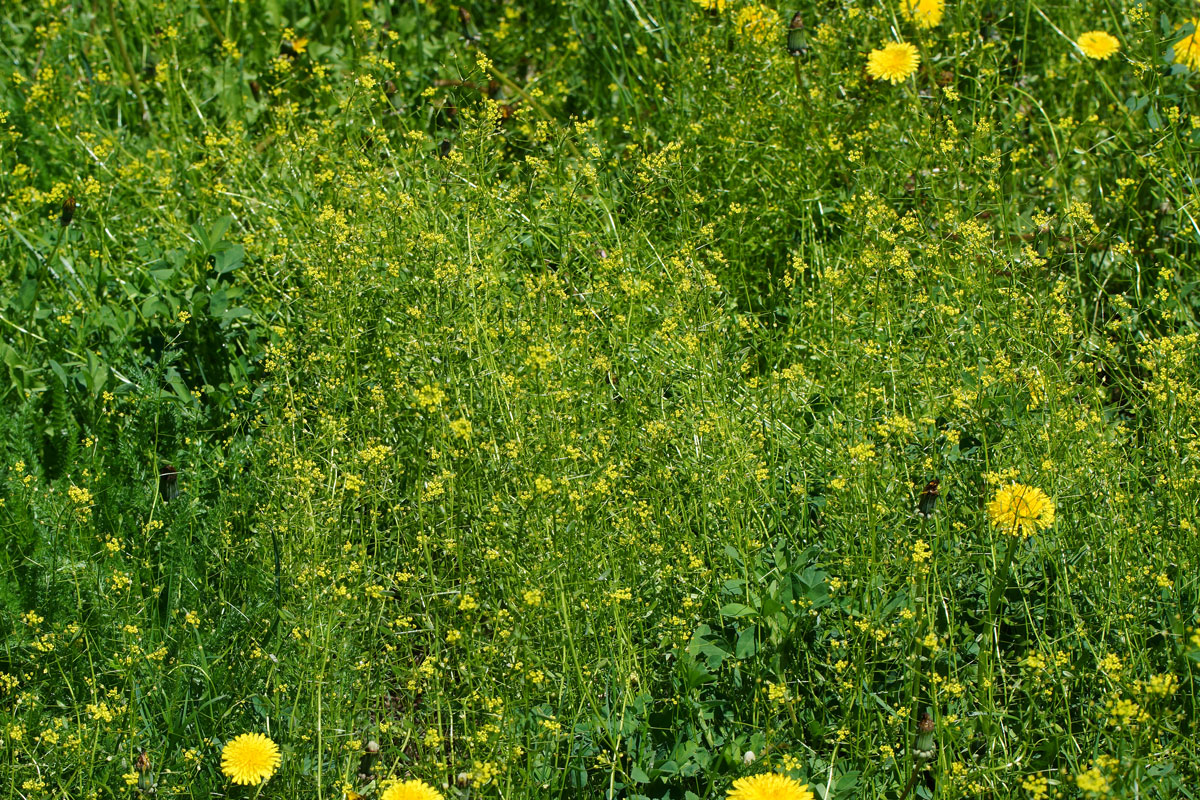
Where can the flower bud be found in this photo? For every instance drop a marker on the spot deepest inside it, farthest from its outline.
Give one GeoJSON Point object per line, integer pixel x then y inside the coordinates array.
{"type": "Point", "coordinates": [797, 43]}
{"type": "Point", "coordinates": [168, 483]}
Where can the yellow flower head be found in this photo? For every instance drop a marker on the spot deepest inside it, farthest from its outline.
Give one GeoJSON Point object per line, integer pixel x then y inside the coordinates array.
{"type": "Point", "coordinates": [1098, 44]}
{"type": "Point", "coordinates": [768, 787]}
{"type": "Point", "coordinates": [757, 23]}
{"type": "Point", "coordinates": [925, 13]}
{"type": "Point", "coordinates": [1021, 510]}
{"type": "Point", "coordinates": [1187, 49]}
{"type": "Point", "coordinates": [895, 62]}
{"type": "Point", "coordinates": [250, 759]}
{"type": "Point", "coordinates": [411, 790]}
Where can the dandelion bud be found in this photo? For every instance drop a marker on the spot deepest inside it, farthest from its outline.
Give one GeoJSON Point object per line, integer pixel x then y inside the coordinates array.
{"type": "Point", "coordinates": [168, 483]}
{"type": "Point", "coordinates": [928, 499]}
{"type": "Point", "coordinates": [145, 781]}
{"type": "Point", "coordinates": [748, 757]}
{"type": "Point", "coordinates": [367, 762]}
{"type": "Point", "coordinates": [462, 779]}
{"type": "Point", "coordinates": [924, 749]}
{"type": "Point", "coordinates": [68, 211]}
{"type": "Point", "coordinates": [464, 21]}
{"type": "Point", "coordinates": [797, 43]}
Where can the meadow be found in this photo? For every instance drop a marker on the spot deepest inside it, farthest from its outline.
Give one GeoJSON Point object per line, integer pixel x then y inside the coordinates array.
{"type": "Point", "coordinates": [637, 399]}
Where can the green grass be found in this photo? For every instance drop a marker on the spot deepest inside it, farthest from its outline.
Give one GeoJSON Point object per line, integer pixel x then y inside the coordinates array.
{"type": "Point", "coordinates": [552, 395]}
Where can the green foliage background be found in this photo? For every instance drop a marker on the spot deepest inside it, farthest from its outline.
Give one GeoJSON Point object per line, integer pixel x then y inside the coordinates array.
{"type": "Point", "coordinates": [552, 386]}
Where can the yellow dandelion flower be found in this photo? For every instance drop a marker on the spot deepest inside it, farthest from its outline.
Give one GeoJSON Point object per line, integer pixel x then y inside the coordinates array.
{"type": "Point", "coordinates": [768, 787]}
{"type": "Point", "coordinates": [1187, 49]}
{"type": "Point", "coordinates": [894, 62]}
{"type": "Point", "coordinates": [250, 759]}
{"type": "Point", "coordinates": [925, 13]}
{"type": "Point", "coordinates": [411, 790]}
{"type": "Point", "coordinates": [1021, 510]}
{"type": "Point", "coordinates": [1098, 44]}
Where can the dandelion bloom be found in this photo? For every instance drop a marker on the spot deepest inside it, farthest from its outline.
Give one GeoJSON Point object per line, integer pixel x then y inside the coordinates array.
{"type": "Point", "coordinates": [250, 759]}
{"type": "Point", "coordinates": [411, 790]}
{"type": "Point", "coordinates": [895, 62]}
{"type": "Point", "coordinates": [1098, 44]}
{"type": "Point", "coordinates": [1021, 510]}
{"type": "Point", "coordinates": [925, 13]}
{"type": "Point", "coordinates": [768, 787]}
{"type": "Point", "coordinates": [1187, 49]}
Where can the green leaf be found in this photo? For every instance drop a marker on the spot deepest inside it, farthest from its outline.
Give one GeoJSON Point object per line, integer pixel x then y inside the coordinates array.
{"type": "Point", "coordinates": [58, 370]}
{"type": "Point", "coordinates": [97, 374]}
{"type": "Point", "coordinates": [737, 610]}
{"type": "Point", "coordinates": [229, 259]}
{"type": "Point", "coordinates": [213, 236]}
{"type": "Point", "coordinates": [747, 643]}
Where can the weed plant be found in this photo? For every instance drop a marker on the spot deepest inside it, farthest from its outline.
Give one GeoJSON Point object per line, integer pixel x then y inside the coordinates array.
{"type": "Point", "coordinates": [611, 399]}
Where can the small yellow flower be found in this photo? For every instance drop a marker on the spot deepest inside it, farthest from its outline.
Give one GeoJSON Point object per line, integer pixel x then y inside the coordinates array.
{"type": "Point", "coordinates": [768, 787]}
{"type": "Point", "coordinates": [895, 62]}
{"type": "Point", "coordinates": [757, 23]}
{"type": "Point", "coordinates": [250, 759]}
{"type": "Point", "coordinates": [1187, 49]}
{"type": "Point", "coordinates": [1021, 510]}
{"type": "Point", "coordinates": [411, 790]}
{"type": "Point", "coordinates": [925, 13]}
{"type": "Point", "coordinates": [1098, 44]}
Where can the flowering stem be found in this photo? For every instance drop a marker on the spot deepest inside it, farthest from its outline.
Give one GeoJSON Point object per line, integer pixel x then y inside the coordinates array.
{"type": "Point", "coordinates": [43, 272]}
{"type": "Point", "coordinates": [1001, 582]}
{"type": "Point", "coordinates": [512, 86]}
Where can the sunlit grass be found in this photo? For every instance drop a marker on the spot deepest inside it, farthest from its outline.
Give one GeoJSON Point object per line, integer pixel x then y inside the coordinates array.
{"type": "Point", "coordinates": [598, 400]}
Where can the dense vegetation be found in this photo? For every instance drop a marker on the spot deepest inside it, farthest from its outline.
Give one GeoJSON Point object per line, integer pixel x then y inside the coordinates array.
{"type": "Point", "coordinates": [536, 399]}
